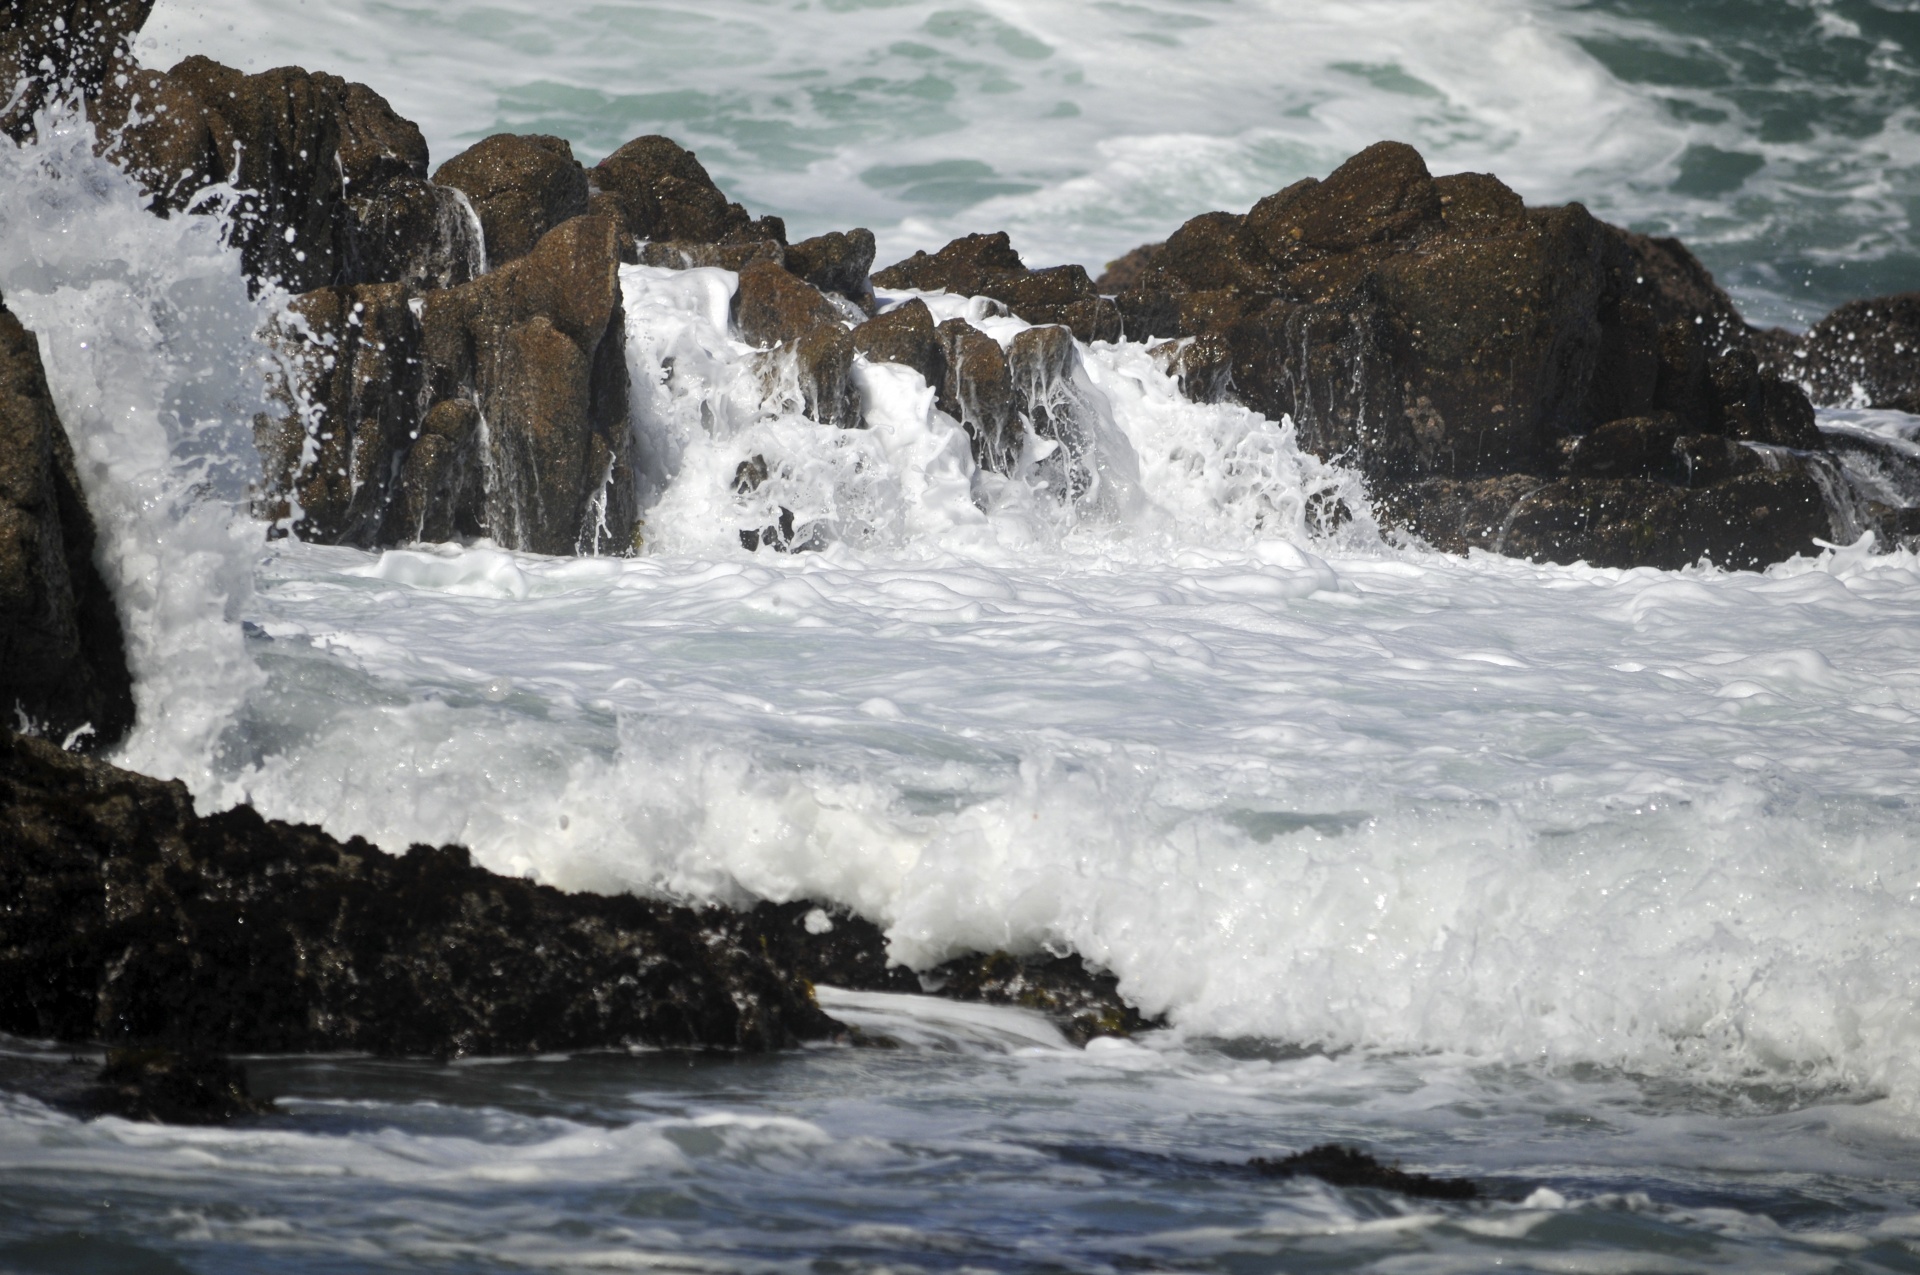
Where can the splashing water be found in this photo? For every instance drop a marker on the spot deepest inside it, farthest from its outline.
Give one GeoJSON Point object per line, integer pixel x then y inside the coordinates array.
{"type": "Point", "coordinates": [149, 341]}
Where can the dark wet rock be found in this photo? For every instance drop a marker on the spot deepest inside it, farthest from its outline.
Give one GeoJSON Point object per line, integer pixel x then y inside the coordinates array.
{"type": "Point", "coordinates": [52, 48]}
{"type": "Point", "coordinates": [827, 944]}
{"type": "Point", "coordinates": [441, 493]}
{"type": "Point", "coordinates": [63, 665]}
{"type": "Point", "coordinates": [172, 1087]}
{"type": "Point", "coordinates": [536, 349]}
{"type": "Point", "coordinates": [1636, 447]}
{"type": "Point", "coordinates": [1864, 354]}
{"type": "Point", "coordinates": [662, 191]}
{"type": "Point", "coordinates": [1082, 1002]}
{"type": "Point", "coordinates": [687, 254]}
{"type": "Point", "coordinates": [1044, 364]}
{"type": "Point", "coordinates": [978, 392]}
{"type": "Point", "coordinates": [1351, 1167]}
{"type": "Point", "coordinates": [837, 262]}
{"type": "Point", "coordinates": [987, 266]}
{"type": "Point", "coordinates": [333, 183]}
{"type": "Point", "coordinates": [358, 355]}
{"type": "Point", "coordinates": [520, 186]}
{"type": "Point", "coordinates": [131, 920]}
{"type": "Point", "coordinates": [1741, 522]}
{"type": "Point", "coordinates": [905, 335]}
{"type": "Point", "coordinates": [1424, 328]}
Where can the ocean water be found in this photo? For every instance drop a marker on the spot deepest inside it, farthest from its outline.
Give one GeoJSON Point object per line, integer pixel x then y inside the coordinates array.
{"type": "Point", "coordinates": [1601, 887]}
{"type": "Point", "coordinates": [1778, 137]}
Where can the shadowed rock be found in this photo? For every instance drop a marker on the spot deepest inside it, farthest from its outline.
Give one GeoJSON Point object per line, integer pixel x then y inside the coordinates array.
{"type": "Point", "coordinates": [63, 661]}
{"type": "Point", "coordinates": [1084, 1003]}
{"type": "Point", "coordinates": [1864, 354]}
{"type": "Point", "coordinates": [838, 263]}
{"type": "Point", "coordinates": [520, 186]}
{"type": "Point", "coordinates": [535, 350]}
{"type": "Point", "coordinates": [50, 48]}
{"type": "Point", "coordinates": [170, 1087]}
{"type": "Point", "coordinates": [133, 920]}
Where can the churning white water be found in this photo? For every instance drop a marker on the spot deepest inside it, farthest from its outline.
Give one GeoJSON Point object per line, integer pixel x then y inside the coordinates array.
{"type": "Point", "coordinates": [1601, 885]}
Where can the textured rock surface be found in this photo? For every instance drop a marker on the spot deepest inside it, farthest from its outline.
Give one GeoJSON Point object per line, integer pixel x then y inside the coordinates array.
{"type": "Point", "coordinates": [1864, 354]}
{"type": "Point", "coordinates": [1506, 377]}
{"type": "Point", "coordinates": [905, 335]}
{"type": "Point", "coordinates": [62, 653]}
{"type": "Point", "coordinates": [520, 187]}
{"type": "Point", "coordinates": [52, 47]}
{"type": "Point", "coordinates": [775, 309]}
{"type": "Point", "coordinates": [131, 919]}
{"type": "Point", "coordinates": [837, 262]}
{"type": "Point", "coordinates": [987, 266]}
{"type": "Point", "coordinates": [662, 191]}
{"type": "Point", "coordinates": [977, 391]}
{"type": "Point", "coordinates": [535, 349]}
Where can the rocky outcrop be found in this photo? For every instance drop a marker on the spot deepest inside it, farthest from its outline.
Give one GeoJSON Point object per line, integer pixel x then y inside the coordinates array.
{"type": "Point", "coordinates": [977, 391]}
{"type": "Point", "coordinates": [1463, 350]}
{"type": "Point", "coordinates": [1864, 354]}
{"type": "Point", "coordinates": [774, 309]}
{"type": "Point", "coordinates": [520, 187]}
{"type": "Point", "coordinates": [987, 266]}
{"type": "Point", "coordinates": [50, 48]}
{"type": "Point", "coordinates": [132, 920]}
{"type": "Point", "coordinates": [659, 190]}
{"type": "Point", "coordinates": [498, 407]}
{"type": "Point", "coordinates": [331, 183]}
{"type": "Point", "coordinates": [63, 667]}
{"type": "Point", "coordinates": [837, 263]}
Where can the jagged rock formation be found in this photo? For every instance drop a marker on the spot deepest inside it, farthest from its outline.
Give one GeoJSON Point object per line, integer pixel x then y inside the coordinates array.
{"type": "Point", "coordinates": [1472, 357]}
{"type": "Point", "coordinates": [497, 407]}
{"type": "Point", "coordinates": [132, 920]}
{"type": "Point", "coordinates": [63, 666]}
{"type": "Point", "coordinates": [1864, 354]}
{"type": "Point", "coordinates": [53, 47]}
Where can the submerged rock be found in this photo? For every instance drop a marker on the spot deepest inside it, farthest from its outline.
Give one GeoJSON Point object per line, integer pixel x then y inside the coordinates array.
{"type": "Point", "coordinates": [63, 666]}
{"type": "Point", "coordinates": [1082, 1002]}
{"type": "Point", "coordinates": [171, 1087]}
{"type": "Point", "coordinates": [132, 920]}
{"type": "Point", "coordinates": [1337, 1165]}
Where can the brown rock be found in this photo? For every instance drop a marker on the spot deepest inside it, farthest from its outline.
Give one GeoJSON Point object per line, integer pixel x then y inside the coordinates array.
{"type": "Point", "coordinates": [987, 266]}
{"type": "Point", "coordinates": [663, 192]}
{"type": "Point", "coordinates": [1125, 271]}
{"type": "Point", "coordinates": [1864, 354]}
{"type": "Point", "coordinates": [1635, 447]}
{"type": "Point", "coordinates": [838, 263]}
{"type": "Point", "coordinates": [49, 48]}
{"type": "Point", "coordinates": [978, 392]}
{"type": "Point", "coordinates": [688, 254]}
{"type": "Point", "coordinates": [537, 347]}
{"type": "Point", "coordinates": [441, 492]}
{"type": "Point", "coordinates": [905, 335]}
{"type": "Point", "coordinates": [520, 187]}
{"type": "Point", "coordinates": [62, 653]}
{"type": "Point", "coordinates": [772, 307]}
